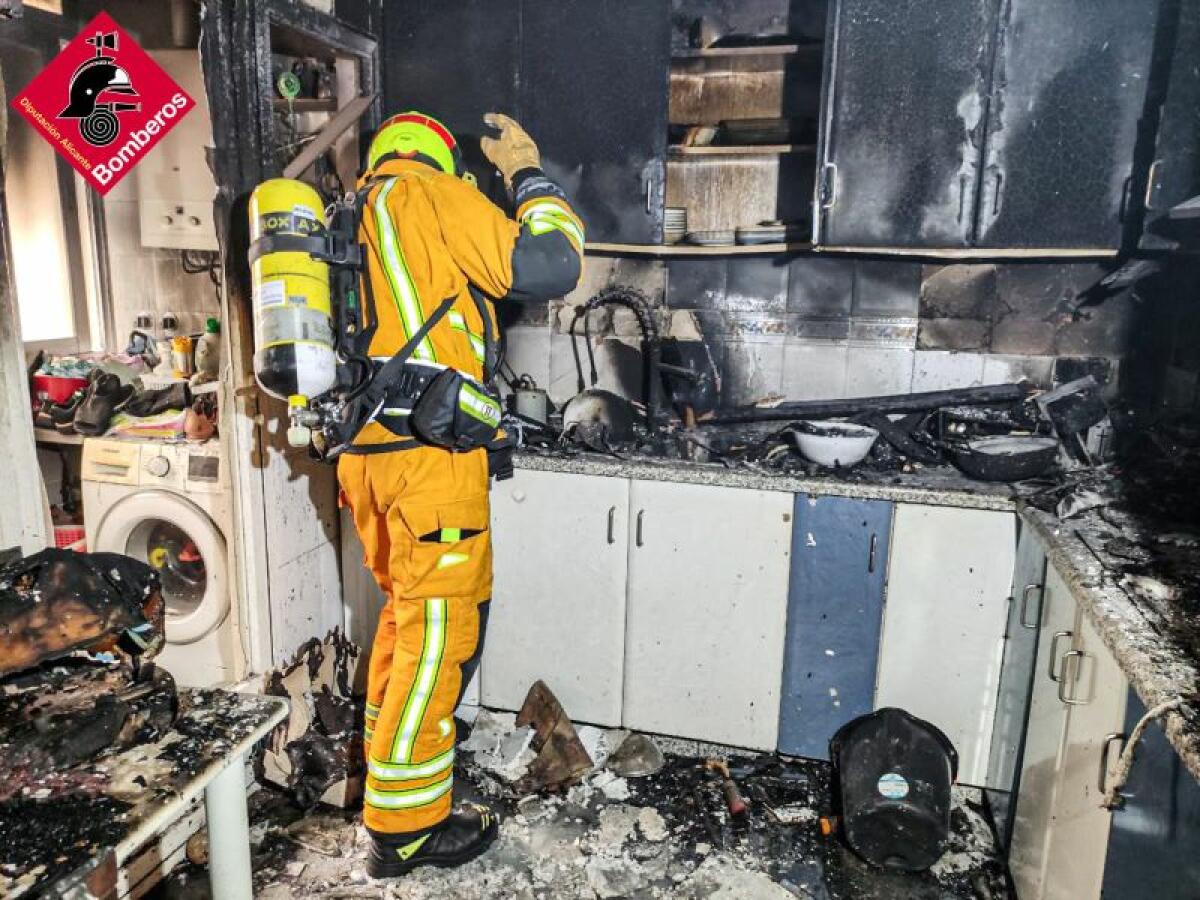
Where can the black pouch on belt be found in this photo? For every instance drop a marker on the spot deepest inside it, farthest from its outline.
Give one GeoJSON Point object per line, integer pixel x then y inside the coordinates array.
{"type": "Point", "coordinates": [456, 412]}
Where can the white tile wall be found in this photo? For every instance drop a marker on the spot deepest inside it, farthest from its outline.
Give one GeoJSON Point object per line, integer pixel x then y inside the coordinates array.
{"type": "Point", "coordinates": [939, 370]}
{"type": "Point", "coordinates": [873, 371]}
{"type": "Point", "coordinates": [814, 370]}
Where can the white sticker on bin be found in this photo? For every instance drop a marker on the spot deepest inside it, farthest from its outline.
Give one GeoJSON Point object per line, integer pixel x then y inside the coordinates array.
{"type": "Point", "coordinates": [271, 293]}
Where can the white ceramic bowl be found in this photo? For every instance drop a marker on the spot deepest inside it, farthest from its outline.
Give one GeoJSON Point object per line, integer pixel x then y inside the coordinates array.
{"type": "Point", "coordinates": [833, 444]}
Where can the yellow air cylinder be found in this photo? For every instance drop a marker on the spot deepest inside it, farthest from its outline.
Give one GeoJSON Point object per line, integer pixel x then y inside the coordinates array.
{"type": "Point", "coordinates": [293, 328]}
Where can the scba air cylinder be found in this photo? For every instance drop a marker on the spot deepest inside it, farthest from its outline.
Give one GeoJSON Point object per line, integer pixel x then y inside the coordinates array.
{"type": "Point", "coordinates": [293, 329]}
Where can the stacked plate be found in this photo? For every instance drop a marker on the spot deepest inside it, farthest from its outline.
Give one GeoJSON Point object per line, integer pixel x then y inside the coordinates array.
{"type": "Point", "coordinates": [674, 224]}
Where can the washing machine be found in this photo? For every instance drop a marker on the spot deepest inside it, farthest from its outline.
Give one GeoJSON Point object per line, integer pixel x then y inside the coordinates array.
{"type": "Point", "coordinates": [168, 504]}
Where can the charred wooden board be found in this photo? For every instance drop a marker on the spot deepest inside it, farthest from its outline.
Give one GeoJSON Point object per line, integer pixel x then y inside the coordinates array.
{"type": "Point", "coordinates": [58, 601]}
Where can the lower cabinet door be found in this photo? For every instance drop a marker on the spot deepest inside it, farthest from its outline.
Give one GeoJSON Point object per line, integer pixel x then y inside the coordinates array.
{"type": "Point", "coordinates": [558, 604]}
{"type": "Point", "coordinates": [708, 587]}
{"type": "Point", "coordinates": [1095, 689]}
{"type": "Point", "coordinates": [1016, 680]}
{"type": "Point", "coordinates": [949, 575]}
{"type": "Point", "coordinates": [835, 609]}
{"type": "Point", "coordinates": [1154, 842]}
{"type": "Point", "coordinates": [1044, 736]}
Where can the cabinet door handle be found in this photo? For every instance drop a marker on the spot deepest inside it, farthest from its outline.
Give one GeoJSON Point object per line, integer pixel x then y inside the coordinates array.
{"type": "Point", "coordinates": [612, 523]}
{"type": "Point", "coordinates": [830, 186]}
{"type": "Point", "coordinates": [1148, 200]}
{"type": "Point", "coordinates": [1064, 681]}
{"type": "Point", "coordinates": [638, 538]}
{"type": "Point", "coordinates": [962, 195]}
{"type": "Point", "coordinates": [872, 552]}
{"type": "Point", "coordinates": [1054, 651]}
{"type": "Point", "coordinates": [1025, 623]}
{"type": "Point", "coordinates": [1109, 740]}
{"type": "Point", "coordinates": [649, 194]}
{"type": "Point", "coordinates": [998, 182]}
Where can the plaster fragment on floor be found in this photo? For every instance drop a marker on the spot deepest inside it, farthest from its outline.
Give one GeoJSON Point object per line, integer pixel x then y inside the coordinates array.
{"type": "Point", "coordinates": [719, 878]}
{"type": "Point", "coordinates": [499, 747]}
{"type": "Point", "coordinates": [616, 825]}
{"type": "Point", "coordinates": [611, 786]}
{"type": "Point", "coordinates": [613, 877]}
{"type": "Point", "coordinates": [651, 823]}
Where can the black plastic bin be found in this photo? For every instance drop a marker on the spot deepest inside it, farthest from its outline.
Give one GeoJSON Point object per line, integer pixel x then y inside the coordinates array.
{"type": "Point", "coordinates": [892, 776]}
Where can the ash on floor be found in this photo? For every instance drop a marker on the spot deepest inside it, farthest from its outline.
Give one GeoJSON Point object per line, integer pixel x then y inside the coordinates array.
{"type": "Point", "coordinates": [666, 835]}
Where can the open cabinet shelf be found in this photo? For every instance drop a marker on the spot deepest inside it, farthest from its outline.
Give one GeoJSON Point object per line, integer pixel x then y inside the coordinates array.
{"type": "Point", "coordinates": [755, 50]}
{"type": "Point", "coordinates": [665, 250]}
{"type": "Point", "coordinates": [740, 149]}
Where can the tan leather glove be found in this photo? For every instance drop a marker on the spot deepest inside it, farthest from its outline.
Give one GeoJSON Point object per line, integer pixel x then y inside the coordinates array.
{"type": "Point", "coordinates": [513, 151]}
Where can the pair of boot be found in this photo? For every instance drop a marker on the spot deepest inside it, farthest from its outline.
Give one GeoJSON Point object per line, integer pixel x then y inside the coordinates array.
{"type": "Point", "coordinates": [462, 836]}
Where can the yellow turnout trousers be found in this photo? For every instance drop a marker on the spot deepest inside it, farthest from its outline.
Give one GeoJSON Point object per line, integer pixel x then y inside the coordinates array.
{"type": "Point", "coordinates": [422, 515]}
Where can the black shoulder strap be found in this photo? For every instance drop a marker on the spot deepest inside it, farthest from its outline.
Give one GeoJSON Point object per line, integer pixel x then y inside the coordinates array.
{"type": "Point", "coordinates": [376, 392]}
{"type": "Point", "coordinates": [491, 351]}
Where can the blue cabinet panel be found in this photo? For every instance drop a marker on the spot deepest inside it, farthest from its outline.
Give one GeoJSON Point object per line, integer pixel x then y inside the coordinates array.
{"type": "Point", "coordinates": [835, 613]}
{"type": "Point", "coordinates": [1154, 843]}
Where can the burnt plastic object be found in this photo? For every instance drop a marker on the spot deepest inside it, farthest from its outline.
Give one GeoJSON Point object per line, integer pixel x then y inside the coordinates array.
{"type": "Point", "coordinates": [58, 601]}
{"type": "Point", "coordinates": [690, 376]}
{"type": "Point", "coordinates": [892, 776]}
{"type": "Point", "coordinates": [561, 757]}
{"type": "Point", "coordinates": [1007, 458]}
{"type": "Point", "coordinates": [1073, 407]}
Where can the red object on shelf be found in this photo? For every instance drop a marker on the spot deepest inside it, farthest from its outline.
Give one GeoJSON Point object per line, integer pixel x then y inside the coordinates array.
{"type": "Point", "coordinates": [56, 388]}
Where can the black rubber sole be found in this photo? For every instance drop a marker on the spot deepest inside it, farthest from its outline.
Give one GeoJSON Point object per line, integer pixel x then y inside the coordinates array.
{"type": "Point", "coordinates": [379, 868]}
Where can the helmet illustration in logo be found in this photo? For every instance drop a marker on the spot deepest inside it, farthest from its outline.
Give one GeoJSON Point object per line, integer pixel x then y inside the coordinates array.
{"type": "Point", "coordinates": [91, 87]}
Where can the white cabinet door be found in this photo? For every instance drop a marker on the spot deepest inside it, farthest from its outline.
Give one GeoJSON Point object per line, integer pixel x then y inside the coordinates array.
{"type": "Point", "coordinates": [708, 588]}
{"type": "Point", "coordinates": [949, 574]}
{"type": "Point", "coordinates": [558, 605]}
{"type": "Point", "coordinates": [1045, 733]}
{"type": "Point", "coordinates": [1095, 689]}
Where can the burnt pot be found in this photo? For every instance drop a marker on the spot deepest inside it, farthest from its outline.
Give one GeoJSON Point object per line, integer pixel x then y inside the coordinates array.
{"type": "Point", "coordinates": [1007, 458]}
{"type": "Point", "coordinates": [892, 776]}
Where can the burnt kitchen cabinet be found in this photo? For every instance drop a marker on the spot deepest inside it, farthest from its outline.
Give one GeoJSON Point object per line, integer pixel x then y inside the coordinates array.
{"type": "Point", "coordinates": [835, 613]}
{"type": "Point", "coordinates": [1174, 174]}
{"type": "Point", "coordinates": [983, 125]}
{"type": "Point", "coordinates": [593, 90]}
{"type": "Point", "coordinates": [1016, 680]}
{"type": "Point", "coordinates": [590, 86]}
{"type": "Point", "coordinates": [1154, 840]}
{"type": "Point", "coordinates": [455, 61]}
{"type": "Point", "coordinates": [1069, 86]}
{"type": "Point", "coordinates": [905, 86]}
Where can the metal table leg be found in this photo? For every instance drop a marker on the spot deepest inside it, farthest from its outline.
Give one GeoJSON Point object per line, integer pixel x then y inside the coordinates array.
{"type": "Point", "coordinates": [229, 834]}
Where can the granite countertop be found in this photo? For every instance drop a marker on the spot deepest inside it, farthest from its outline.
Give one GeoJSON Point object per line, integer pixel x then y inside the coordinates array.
{"type": "Point", "coordinates": [932, 486]}
{"type": "Point", "coordinates": [1151, 635]}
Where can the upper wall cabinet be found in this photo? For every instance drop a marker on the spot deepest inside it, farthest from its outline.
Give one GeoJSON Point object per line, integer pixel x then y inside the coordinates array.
{"type": "Point", "coordinates": [905, 89]}
{"type": "Point", "coordinates": [1069, 85]}
{"type": "Point", "coordinates": [589, 85]}
{"type": "Point", "coordinates": [594, 95]}
{"type": "Point", "coordinates": [455, 61]}
{"type": "Point", "coordinates": [988, 124]}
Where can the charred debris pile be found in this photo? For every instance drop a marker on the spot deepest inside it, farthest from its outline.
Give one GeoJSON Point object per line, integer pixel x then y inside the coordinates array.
{"type": "Point", "coordinates": [1000, 433]}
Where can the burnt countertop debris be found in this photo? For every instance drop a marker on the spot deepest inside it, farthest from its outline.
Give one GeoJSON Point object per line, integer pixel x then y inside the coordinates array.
{"type": "Point", "coordinates": [939, 485]}
{"type": "Point", "coordinates": [78, 818]}
{"type": "Point", "coordinates": [1138, 579]}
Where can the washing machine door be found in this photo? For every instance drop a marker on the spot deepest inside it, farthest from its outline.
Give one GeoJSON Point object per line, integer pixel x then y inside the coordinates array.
{"type": "Point", "coordinates": [179, 540]}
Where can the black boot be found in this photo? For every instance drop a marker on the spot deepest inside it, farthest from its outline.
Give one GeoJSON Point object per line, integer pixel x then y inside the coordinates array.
{"type": "Point", "coordinates": [465, 833]}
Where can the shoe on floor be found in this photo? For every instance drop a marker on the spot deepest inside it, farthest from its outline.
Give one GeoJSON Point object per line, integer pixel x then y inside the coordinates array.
{"type": "Point", "coordinates": [464, 835]}
{"type": "Point", "coordinates": [105, 396]}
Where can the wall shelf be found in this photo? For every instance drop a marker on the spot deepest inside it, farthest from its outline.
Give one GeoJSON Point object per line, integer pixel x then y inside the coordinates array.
{"type": "Point", "coordinates": [683, 150]}
{"type": "Point", "coordinates": [758, 50]}
{"type": "Point", "coordinates": [306, 104]}
{"type": "Point", "coordinates": [676, 250]}
{"type": "Point", "coordinates": [50, 436]}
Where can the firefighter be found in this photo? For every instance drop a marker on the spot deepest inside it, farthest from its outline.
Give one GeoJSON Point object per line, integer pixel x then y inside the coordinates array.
{"type": "Point", "coordinates": [421, 510]}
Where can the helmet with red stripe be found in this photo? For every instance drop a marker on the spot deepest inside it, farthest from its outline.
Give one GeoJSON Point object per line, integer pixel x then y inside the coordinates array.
{"type": "Point", "coordinates": [412, 135]}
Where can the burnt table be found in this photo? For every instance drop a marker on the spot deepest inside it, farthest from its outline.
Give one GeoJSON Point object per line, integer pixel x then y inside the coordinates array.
{"type": "Point", "coordinates": [67, 834]}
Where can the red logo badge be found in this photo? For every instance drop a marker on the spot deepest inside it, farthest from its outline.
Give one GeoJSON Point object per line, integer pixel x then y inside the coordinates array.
{"type": "Point", "coordinates": [103, 103]}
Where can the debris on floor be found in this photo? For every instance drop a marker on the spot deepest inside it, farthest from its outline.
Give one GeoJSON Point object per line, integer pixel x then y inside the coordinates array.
{"type": "Point", "coordinates": [665, 835]}
{"type": "Point", "coordinates": [317, 752]}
